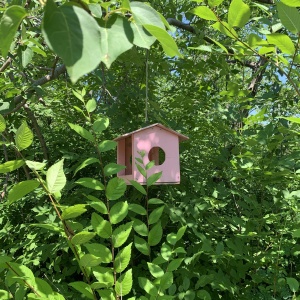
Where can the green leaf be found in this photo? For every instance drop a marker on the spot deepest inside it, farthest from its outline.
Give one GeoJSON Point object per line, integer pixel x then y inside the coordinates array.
{"type": "Point", "coordinates": [122, 259]}
{"type": "Point", "coordinates": [90, 260]}
{"type": "Point", "coordinates": [293, 3]}
{"type": "Point", "coordinates": [5, 295]}
{"type": "Point", "coordinates": [74, 36]}
{"type": "Point", "coordinates": [171, 238]}
{"type": "Point", "coordinates": [144, 14]}
{"type": "Point", "coordinates": [150, 165]}
{"type": "Point", "coordinates": [155, 201]}
{"type": "Point", "coordinates": [91, 183]}
{"type": "Point", "coordinates": [118, 212]}
{"type": "Point", "coordinates": [141, 170]}
{"type": "Point", "coordinates": [155, 270]}
{"type": "Point", "coordinates": [138, 186]}
{"type": "Point", "coordinates": [153, 178]}
{"type": "Point", "coordinates": [292, 119]}
{"type": "Point", "coordinates": [26, 56]}
{"type": "Point", "coordinates": [11, 165]}
{"type": "Point", "coordinates": [137, 209]}
{"type": "Point", "coordinates": [48, 227]}
{"type": "Point", "coordinates": [167, 42]}
{"type": "Point", "coordinates": [107, 145]}
{"type": "Point", "coordinates": [102, 227]}
{"type": "Point", "coordinates": [21, 189]}
{"type": "Point", "coordinates": [104, 275]}
{"type": "Point", "coordinates": [113, 168]}
{"type": "Point", "coordinates": [115, 29]}
{"type": "Point", "coordinates": [97, 204]}
{"type": "Point", "coordinates": [225, 29]}
{"type": "Point", "coordinates": [115, 189]}
{"type": "Point", "coordinates": [203, 294]}
{"type": "Point", "coordinates": [255, 40]}
{"type": "Point", "coordinates": [180, 233]}
{"type": "Point", "coordinates": [289, 16]}
{"type": "Point", "coordinates": [220, 45]}
{"type": "Point", "coordinates": [155, 234]}
{"type": "Point", "coordinates": [148, 286]}
{"type": "Point", "coordinates": [166, 251]}
{"type": "Point", "coordinates": [83, 288]}
{"type": "Point", "coordinates": [24, 137]}
{"type": "Point", "coordinates": [140, 227]}
{"type": "Point", "coordinates": [22, 272]}
{"type": "Point", "coordinates": [293, 284]}
{"type": "Point", "coordinates": [2, 124]}
{"type": "Point", "coordinates": [296, 233]}
{"type": "Point", "coordinates": [91, 105]}
{"type": "Point", "coordinates": [282, 41]}
{"type": "Point", "coordinates": [142, 38]}
{"type": "Point", "coordinates": [82, 237]}
{"type": "Point", "coordinates": [124, 284]}
{"type": "Point", "coordinates": [155, 215]}
{"type": "Point", "coordinates": [205, 13]}
{"type": "Point", "coordinates": [35, 165]}
{"type": "Point", "coordinates": [86, 162]}
{"type": "Point", "coordinates": [141, 245]}
{"type": "Point", "coordinates": [74, 211]}
{"type": "Point", "coordinates": [121, 234]}
{"type": "Point", "coordinates": [238, 14]}
{"type": "Point", "coordinates": [55, 177]}
{"type": "Point", "coordinates": [213, 3]}
{"type": "Point", "coordinates": [4, 259]}
{"type": "Point", "coordinates": [100, 124]}
{"type": "Point", "coordinates": [100, 251]}
{"type": "Point", "coordinates": [82, 132]}
{"type": "Point", "coordinates": [174, 264]}
{"type": "Point", "coordinates": [95, 9]}
{"type": "Point", "coordinates": [166, 281]}
{"type": "Point", "coordinates": [9, 24]}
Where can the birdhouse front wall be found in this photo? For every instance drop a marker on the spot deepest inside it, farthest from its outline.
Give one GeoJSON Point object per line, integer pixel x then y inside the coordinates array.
{"type": "Point", "coordinates": [150, 138]}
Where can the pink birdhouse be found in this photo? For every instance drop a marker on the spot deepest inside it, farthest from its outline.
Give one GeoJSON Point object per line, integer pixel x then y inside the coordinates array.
{"type": "Point", "coordinates": [160, 144]}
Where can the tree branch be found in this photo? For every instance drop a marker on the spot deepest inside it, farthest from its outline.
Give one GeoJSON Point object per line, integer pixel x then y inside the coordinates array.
{"type": "Point", "coordinates": [49, 77]}
{"type": "Point", "coordinates": [5, 65]}
{"type": "Point", "coordinates": [181, 25]}
{"type": "Point", "coordinates": [38, 131]}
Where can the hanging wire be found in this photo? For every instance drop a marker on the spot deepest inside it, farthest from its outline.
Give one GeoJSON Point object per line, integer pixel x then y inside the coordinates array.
{"type": "Point", "coordinates": [146, 98]}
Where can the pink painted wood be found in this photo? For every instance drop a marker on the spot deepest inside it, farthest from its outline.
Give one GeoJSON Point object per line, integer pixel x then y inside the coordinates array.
{"type": "Point", "coordinates": [150, 139]}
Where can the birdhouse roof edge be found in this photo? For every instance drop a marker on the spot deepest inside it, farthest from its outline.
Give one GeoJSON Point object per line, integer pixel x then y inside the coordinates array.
{"type": "Point", "coordinates": [181, 136]}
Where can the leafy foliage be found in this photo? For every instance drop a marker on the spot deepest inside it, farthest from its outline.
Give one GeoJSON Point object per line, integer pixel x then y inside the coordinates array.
{"type": "Point", "coordinates": [75, 75]}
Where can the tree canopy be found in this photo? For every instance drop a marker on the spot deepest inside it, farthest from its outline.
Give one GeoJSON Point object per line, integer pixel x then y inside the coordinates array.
{"type": "Point", "coordinates": [74, 75]}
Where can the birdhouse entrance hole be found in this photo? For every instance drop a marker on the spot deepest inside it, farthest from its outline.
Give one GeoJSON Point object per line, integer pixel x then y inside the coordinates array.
{"type": "Point", "coordinates": [158, 155]}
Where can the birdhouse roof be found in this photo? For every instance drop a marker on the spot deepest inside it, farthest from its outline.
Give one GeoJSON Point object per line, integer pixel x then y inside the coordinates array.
{"type": "Point", "coordinates": [181, 136]}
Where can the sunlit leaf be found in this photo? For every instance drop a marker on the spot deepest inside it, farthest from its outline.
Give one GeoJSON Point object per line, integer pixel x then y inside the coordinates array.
{"type": "Point", "coordinates": [289, 16]}
{"type": "Point", "coordinates": [282, 41]}
{"type": "Point", "coordinates": [74, 36]}
{"type": "Point", "coordinates": [238, 14]}
{"type": "Point", "coordinates": [21, 189]}
{"type": "Point", "coordinates": [9, 24]}
{"type": "Point", "coordinates": [122, 259]}
{"type": "Point", "coordinates": [167, 42]}
{"type": "Point", "coordinates": [55, 177]}
{"type": "Point", "coordinates": [124, 283]}
{"type": "Point", "coordinates": [116, 188]}
{"type": "Point", "coordinates": [24, 137]}
{"type": "Point", "coordinates": [74, 211]}
{"type": "Point", "coordinates": [115, 29]}
{"type": "Point", "coordinates": [11, 165]}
